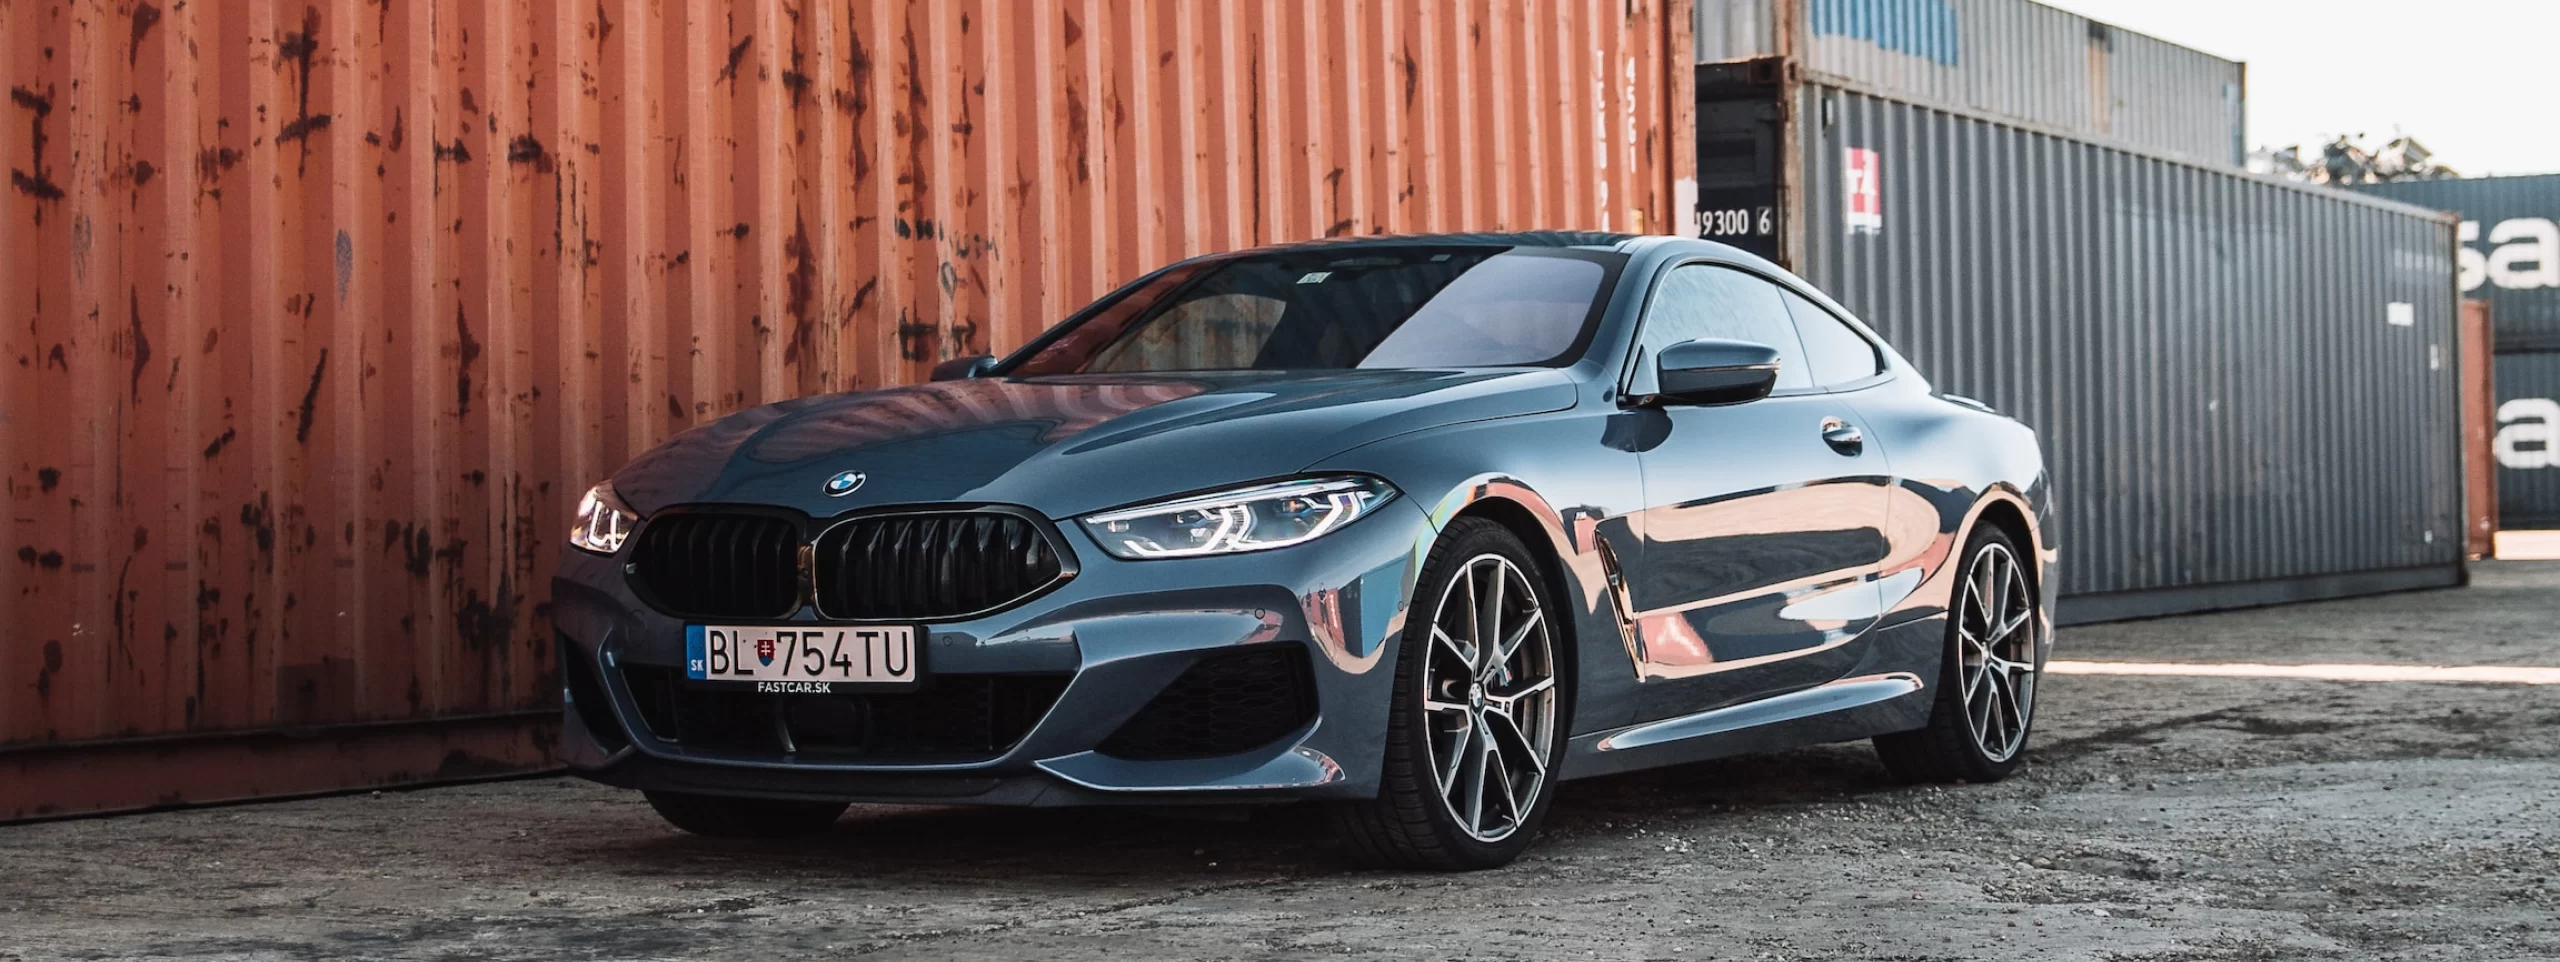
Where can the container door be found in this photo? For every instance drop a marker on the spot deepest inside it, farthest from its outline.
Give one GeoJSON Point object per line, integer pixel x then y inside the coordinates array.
{"type": "Point", "coordinates": [1742, 156]}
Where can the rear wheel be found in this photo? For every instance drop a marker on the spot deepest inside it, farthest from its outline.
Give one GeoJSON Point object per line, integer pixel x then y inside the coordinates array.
{"type": "Point", "coordinates": [1987, 688]}
{"type": "Point", "coordinates": [729, 816]}
{"type": "Point", "coordinates": [1478, 720]}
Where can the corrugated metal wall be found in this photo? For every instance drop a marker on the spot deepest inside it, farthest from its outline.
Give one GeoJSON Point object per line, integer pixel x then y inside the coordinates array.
{"type": "Point", "coordinates": [2527, 445]}
{"type": "Point", "coordinates": [1737, 29]}
{"type": "Point", "coordinates": [2511, 239]}
{"type": "Point", "coordinates": [2014, 58]}
{"type": "Point", "coordinates": [318, 316]}
{"type": "Point", "coordinates": [2212, 358]}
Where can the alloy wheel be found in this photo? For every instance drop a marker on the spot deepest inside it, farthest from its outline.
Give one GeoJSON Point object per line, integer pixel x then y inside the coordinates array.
{"type": "Point", "coordinates": [1490, 697]}
{"type": "Point", "coordinates": [1996, 638]}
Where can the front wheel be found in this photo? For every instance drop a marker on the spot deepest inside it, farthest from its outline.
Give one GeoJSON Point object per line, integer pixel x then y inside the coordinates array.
{"type": "Point", "coordinates": [1478, 719]}
{"type": "Point", "coordinates": [1987, 689]}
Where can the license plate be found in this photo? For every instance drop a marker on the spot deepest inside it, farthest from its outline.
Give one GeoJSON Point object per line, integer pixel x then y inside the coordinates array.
{"type": "Point", "coordinates": [797, 660]}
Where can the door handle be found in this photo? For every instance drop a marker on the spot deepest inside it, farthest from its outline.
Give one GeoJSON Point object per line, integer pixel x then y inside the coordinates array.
{"type": "Point", "coordinates": [1843, 436]}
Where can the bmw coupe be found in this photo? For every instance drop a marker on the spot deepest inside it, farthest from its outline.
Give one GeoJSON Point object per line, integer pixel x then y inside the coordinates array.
{"type": "Point", "coordinates": [1419, 528]}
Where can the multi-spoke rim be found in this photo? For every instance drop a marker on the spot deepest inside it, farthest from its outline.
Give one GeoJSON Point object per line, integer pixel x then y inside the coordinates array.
{"type": "Point", "coordinates": [1996, 639]}
{"type": "Point", "coordinates": [1489, 697]}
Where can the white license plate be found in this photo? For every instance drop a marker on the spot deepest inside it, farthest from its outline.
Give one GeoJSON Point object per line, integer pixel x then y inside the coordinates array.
{"type": "Point", "coordinates": [786, 659]}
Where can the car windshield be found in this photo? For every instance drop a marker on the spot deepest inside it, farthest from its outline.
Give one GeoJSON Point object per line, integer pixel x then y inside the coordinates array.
{"type": "Point", "coordinates": [1336, 308]}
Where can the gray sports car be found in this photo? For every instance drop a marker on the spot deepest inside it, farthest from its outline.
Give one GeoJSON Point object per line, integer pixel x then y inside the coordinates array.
{"type": "Point", "coordinates": [1416, 527]}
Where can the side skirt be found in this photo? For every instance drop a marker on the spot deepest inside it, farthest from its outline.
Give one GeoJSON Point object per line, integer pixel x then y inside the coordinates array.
{"type": "Point", "coordinates": [1894, 697]}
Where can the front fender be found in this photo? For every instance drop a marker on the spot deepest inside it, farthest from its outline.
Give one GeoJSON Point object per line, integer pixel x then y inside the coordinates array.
{"type": "Point", "coordinates": [1577, 510]}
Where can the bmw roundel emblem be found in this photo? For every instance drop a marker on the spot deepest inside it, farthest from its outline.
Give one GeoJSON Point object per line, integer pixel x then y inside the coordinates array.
{"type": "Point", "coordinates": [844, 483]}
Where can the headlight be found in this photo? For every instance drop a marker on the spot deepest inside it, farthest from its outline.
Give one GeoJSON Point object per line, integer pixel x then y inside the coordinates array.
{"type": "Point", "coordinates": [602, 521]}
{"type": "Point", "coordinates": [1246, 519]}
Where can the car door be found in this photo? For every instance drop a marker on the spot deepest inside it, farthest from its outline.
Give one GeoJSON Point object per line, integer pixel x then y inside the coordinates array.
{"type": "Point", "coordinates": [1763, 522]}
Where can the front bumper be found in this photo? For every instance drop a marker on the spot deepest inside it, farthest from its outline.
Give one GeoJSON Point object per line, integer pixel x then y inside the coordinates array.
{"type": "Point", "coordinates": [1118, 634]}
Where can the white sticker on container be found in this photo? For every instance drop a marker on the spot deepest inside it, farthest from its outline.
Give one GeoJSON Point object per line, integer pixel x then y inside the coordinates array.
{"type": "Point", "coordinates": [2401, 314]}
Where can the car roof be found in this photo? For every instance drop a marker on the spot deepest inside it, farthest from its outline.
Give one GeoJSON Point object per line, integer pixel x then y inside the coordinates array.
{"type": "Point", "coordinates": [1598, 240]}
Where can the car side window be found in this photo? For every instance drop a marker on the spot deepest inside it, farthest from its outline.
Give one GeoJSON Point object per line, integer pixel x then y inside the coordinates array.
{"type": "Point", "coordinates": [1835, 352]}
{"type": "Point", "coordinates": [1704, 300]}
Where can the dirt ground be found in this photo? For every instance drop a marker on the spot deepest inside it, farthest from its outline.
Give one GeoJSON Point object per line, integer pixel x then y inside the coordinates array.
{"type": "Point", "coordinates": [2160, 818]}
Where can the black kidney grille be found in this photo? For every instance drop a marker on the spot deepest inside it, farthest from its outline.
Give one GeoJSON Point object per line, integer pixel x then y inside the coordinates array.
{"type": "Point", "coordinates": [931, 565]}
{"type": "Point", "coordinates": [1225, 704]}
{"type": "Point", "coordinates": [951, 717]}
{"type": "Point", "coordinates": [715, 564]}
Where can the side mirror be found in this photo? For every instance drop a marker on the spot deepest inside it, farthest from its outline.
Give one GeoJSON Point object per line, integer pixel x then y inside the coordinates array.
{"type": "Point", "coordinates": [1715, 371]}
{"type": "Point", "coordinates": [964, 368]}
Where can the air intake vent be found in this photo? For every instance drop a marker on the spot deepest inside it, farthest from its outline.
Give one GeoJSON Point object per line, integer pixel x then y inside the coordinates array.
{"type": "Point", "coordinates": [584, 692]}
{"type": "Point", "coordinates": [951, 717]}
{"type": "Point", "coordinates": [708, 564]}
{"type": "Point", "coordinates": [929, 566]}
{"type": "Point", "coordinates": [1226, 704]}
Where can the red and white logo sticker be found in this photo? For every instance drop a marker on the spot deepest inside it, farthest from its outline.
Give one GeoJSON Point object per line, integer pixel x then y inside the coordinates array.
{"type": "Point", "coordinates": [1866, 190]}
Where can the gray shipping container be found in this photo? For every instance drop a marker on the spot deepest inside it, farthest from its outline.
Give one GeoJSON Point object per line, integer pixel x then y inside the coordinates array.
{"type": "Point", "coordinates": [2528, 439]}
{"type": "Point", "coordinates": [2013, 59]}
{"type": "Point", "coordinates": [2246, 387]}
{"type": "Point", "coordinates": [2510, 249]}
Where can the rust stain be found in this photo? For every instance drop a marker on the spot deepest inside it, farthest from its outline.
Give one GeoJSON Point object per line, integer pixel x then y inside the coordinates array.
{"type": "Point", "coordinates": [797, 82]}
{"type": "Point", "coordinates": [138, 342]}
{"type": "Point", "coordinates": [297, 50]}
{"type": "Point", "coordinates": [1411, 69]}
{"type": "Point", "coordinates": [145, 16]}
{"type": "Point", "coordinates": [37, 180]}
{"type": "Point", "coordinates": [262, 528]}
{"type": "Point", "coordinates": [729, 71]}
{"type": "Point", "coordinates": [918, 340]}
{"type": "Point", "coordinates": [857, 99]}
{"type": "Point", "coordinates": [212, 161]}
{"type": "Point", "coordinates": [800, 285]}
{"type": "Point", "coordinates": [468, 350]}
{"type": "Point", "coordinates": [52, 666]}
{"type": "Point", "coordinates": [310, 400]}
{"type": "Point", "coordinates": [528, 149]}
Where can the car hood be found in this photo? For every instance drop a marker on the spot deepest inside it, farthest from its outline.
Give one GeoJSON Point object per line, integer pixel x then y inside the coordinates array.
{"type": "Point", "coordinates": [1064, 445]}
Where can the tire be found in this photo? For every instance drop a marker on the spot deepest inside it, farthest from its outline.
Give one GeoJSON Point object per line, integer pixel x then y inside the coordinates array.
{"type": "Point", "coordinates": [728, 816]}
{"type": "Point", "coordinates": [1974, 733]}
{"type": "Point", "coordinates": [1518, 705]}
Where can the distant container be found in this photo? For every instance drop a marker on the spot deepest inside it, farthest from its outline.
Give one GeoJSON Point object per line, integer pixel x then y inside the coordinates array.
{"type": "Point", "coordinates": [2510, 253]}
{"type": "Point", "coordinates": [2527, 444]}
{"type": "Point", "coordinates": [2014, 59]}
{"type": "Point", "coordinates": [2246, 387]}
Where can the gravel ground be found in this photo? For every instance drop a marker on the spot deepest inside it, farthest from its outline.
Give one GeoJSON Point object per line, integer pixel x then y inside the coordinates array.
{"type": "Point", "coordinates": [2160, 818]}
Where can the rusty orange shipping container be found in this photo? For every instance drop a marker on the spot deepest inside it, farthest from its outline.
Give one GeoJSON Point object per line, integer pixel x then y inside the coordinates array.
{"type": "Point", "coordinates": [316, 316]}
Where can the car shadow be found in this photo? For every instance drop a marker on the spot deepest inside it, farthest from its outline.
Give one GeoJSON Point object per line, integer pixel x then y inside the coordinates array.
{"type": "Point", "coordinates": [1062, 847]}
